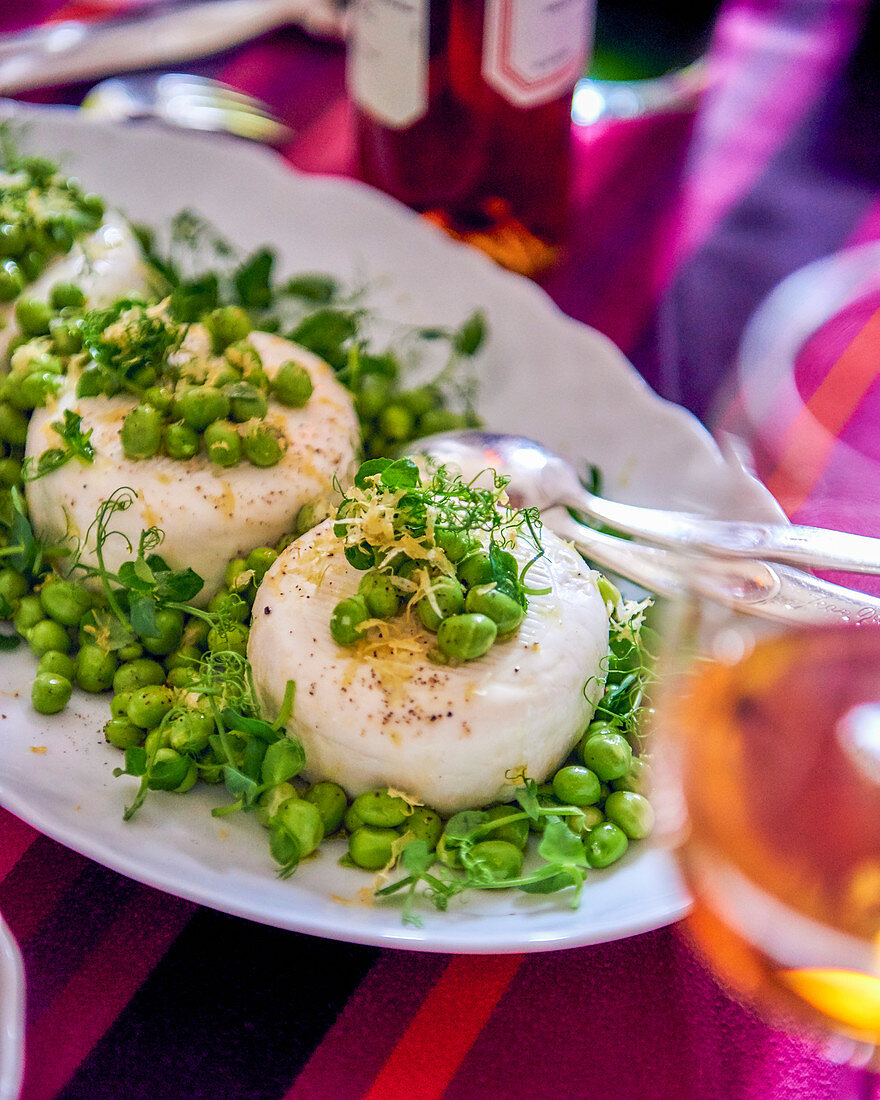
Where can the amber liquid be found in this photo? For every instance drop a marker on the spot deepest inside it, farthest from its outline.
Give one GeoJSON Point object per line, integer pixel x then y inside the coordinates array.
{"type": "Point", "coordinates": [473, 155]}
{"type": "Point", "coordinates": [780, 758]}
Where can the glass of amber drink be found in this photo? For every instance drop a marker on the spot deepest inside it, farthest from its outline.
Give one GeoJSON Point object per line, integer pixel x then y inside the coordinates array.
{"type": "Point", "coordinates": [767, 751]}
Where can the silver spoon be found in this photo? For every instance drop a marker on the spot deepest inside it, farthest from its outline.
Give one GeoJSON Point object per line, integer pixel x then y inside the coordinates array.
{"type": "Point", "coordinates": [774, 592]}
{"type": "Point", "coordinates": [542, 479]}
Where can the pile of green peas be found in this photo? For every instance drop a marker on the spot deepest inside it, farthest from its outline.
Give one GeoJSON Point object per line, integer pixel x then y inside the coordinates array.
{"type": "Point", "coordinates": [220, 408]}
{"type": "Point", "coordinates": [42, 214]}
{"type": "Point", "coordinates": [468, 612]}
{"type": "Point", "coordinates": [599, 793]}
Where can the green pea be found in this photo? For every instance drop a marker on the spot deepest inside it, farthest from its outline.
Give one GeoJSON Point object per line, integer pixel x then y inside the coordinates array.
{"type": "Point", "coordinates": [61, 664]}
{"type": "Point", "coordinates": [244, 358]}
{"type": "Point", "coordinates": [181, 677]}
{"type": "Point", "coordinates": [13, 585]}
{"type": "Point", "coordinates": [13, 425]}
{"type": "Point", "coordinates": [199, 406]}
{"type": "Point", "coordinates": [232, 638]}
{"type": "Point", "coordinates": [246, 402]}
{"type": "Point", "coordinates": [168, 632]}
{"type": "Point", "coordinates": [154, 740]}
{"type": "Point", "coordinates": [171, 772]}
{"type": "Point", "coordinates": [347, 616]}
{"type": "Point", "coordinates": [28, 613]}
{"type": "Point", "coordinates": [93, 205]}
{"type": "Point", "coordinates": [10, 472]}
{"type": "Point", "coordinates": [223, 443]}
{"type": "Point", "coordinates": [234, 570]}
{"type": "Point", "coordinates": [331, 802]}
{"type": "Point", "coordinates": [66, 294]}
{"type": "Point", "coordinates": [260, 560]}
{"type": "Point", "coordinates": [418, 401]}
{"type": "Point", "coordinates": [352, 819]}
{"type": "Point", "coordinates": [380, 595]}
{"type": "Point", "coordinates": [123, 734]}
{"type": "Point", "coordinates": [11, 281]}
{"type": "Point", "coordinates": [96, 380]}
{"type": "Point", "coordinates": [466, 637]}
{"type": "Point", "coordinates": [141, 433]}
{"type": "Point", "coordinates": [379, 807]}
{"type": "Point", "coordinates": [227, 324]}
{"type": "Point", "coordinates": [33, 316]}
{"type": "Point", "coordinates": [424, 824]}
{"type": "Point", "coordinates": [189, 732]}
{"type": "Point", "coordinates": [160, 397]}
{"type": "Point", "coordinates": [264, 445]}
{"type": "Point", "coordinates": [292, 385]}
{"type": "Point", "coordinates": [576, 786]}
{"type": "Point", "coordinates": [310, 515]}
{"type": "Point", "coordinates": [65, 601]}
{"type": "Point", "coordinates": [95, 668]}
{"type": "Point", "coordinates": [371, 396]}
{"type": "Point", "coordinates": [506, 612]}
{"type": "Point", "coordinates": [448, 595]}
{"type": "Point", "coordinates": [587, 818]}
{"type": "Point", "coordinates": [607, 754]}
{"type": "Point", "coordinates": [180, 441]}
{"type": "Point", "coordinates": [449, 850]}
{"type": "Point", "coordinates": [12, 238]}
{"type": "Point", "coordinates": [456, 545]}
{"type": "Point", "coordinates": [119, 704]}
{"type": "Point", "coordinates": [497, 859]}
{"type": "Point", "coordinates": [296, 830]}
{"type": "Point", "coordinates": [605, 844]}
{"type": "Point", "coordinates": [270, 800]}
{"type": "Point", "coordinates": [149, 705]}
{"type": "Point", "coordinates": [66, 337]}
{"type": "Point", "coordinates": [32, 390]}
{"type": "Point", "coordinates": [228, 604]}
{"type": "Point", "coordinates": [32, 263]}
{"type": "Point", "coordinates": [631, 812]}
{"type": "Point", "coordinates": [139, 673]}
{"type": "Point", "coordinates": [48, 635]}
{"type": "Point", "coordinates": [396, 423]}
{"type": "Point", "coordinates": [637, 779]}
{"type": "Point", "coordinates": [372, 847]}
{"type": "Point", "coordinates": [439, 420]}
{"type": "Point", "coordinates": [514, 832]}
{"type": "Point", "coordinates": [50, 693]}
{"type": "Point", "coordinates": [476, 569]}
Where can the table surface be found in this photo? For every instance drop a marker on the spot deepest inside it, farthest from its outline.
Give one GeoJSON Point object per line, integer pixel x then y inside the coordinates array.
{"type": "Point", "coordinates": [684, 222]}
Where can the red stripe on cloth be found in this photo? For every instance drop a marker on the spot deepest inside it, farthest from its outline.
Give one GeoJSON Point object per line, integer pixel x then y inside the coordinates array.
{"type": "Point", "coordinates": [444, 1029]}
{"type": "Point", "coordinates": [355, 1048]}
{"type": "Point", "coordinates": [15, 839]}
{"type": "Point", "coordinates": [109, 976]}
{"type": "Point", "coordinates": [814, 431]}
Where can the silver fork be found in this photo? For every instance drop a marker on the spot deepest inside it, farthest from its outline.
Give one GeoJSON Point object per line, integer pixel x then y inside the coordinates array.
{"type": "Point", "coordinates": [187, 101]}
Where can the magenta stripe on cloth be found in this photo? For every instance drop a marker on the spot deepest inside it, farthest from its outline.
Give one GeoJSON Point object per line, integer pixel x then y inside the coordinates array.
{"type": "Point", "coordinates": [30, 892]}
{"type": "Point", "coordinates": [666, 1032]}
{"type": "Point", "coordinates": [15, 838]}
{"type": "Point", "coordinates": [103, 983]}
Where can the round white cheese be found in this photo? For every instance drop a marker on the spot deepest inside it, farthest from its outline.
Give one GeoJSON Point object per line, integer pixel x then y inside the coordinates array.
{"type": "Point", "coordinates": [106, 265]}
{"type": "Point", "coordinates": [449, 736]}
{"type": "Point", "coordinates": [209, 514]}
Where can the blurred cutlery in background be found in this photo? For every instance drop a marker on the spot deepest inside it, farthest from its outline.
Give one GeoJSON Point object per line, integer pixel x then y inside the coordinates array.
{"type": "Point", "coordinates": [65, 53]}
{"type": "Point", "coordinates": [191, 102]}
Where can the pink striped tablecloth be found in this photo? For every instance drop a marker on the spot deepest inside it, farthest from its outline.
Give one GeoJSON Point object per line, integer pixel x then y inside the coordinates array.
{"type": "Point", "coordinates": [684, 222]}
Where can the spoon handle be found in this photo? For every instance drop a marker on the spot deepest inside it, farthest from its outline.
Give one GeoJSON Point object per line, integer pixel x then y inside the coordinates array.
{"type": "Point", "coordinates": [753, 587]}
{"type": "Point", "coordinates": [814, 547]}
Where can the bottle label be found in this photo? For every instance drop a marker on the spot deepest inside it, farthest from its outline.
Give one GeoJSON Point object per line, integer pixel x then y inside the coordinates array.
{"type": "Point", "coordinates": [535, 50]}
{"type": "Point", "coordinates": [388, 60]}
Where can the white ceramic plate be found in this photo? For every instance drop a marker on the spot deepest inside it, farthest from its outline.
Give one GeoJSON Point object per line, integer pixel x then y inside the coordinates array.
{"type": "Point", "coordinates": [543, 375]}
{"type": "Point", "coordinates": [11, 1015]}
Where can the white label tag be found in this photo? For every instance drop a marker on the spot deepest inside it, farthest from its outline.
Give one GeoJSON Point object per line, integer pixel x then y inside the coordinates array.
{"type": "Point", "coordinates": [388, 59]}
{"type": "Point", "coordinates": [533, 50]}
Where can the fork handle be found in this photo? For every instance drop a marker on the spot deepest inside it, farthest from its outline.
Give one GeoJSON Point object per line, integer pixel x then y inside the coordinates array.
{"type": "Point", "coordinates": [813, 547]}
{"type": "Point", "coordinates": [776, 592]}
